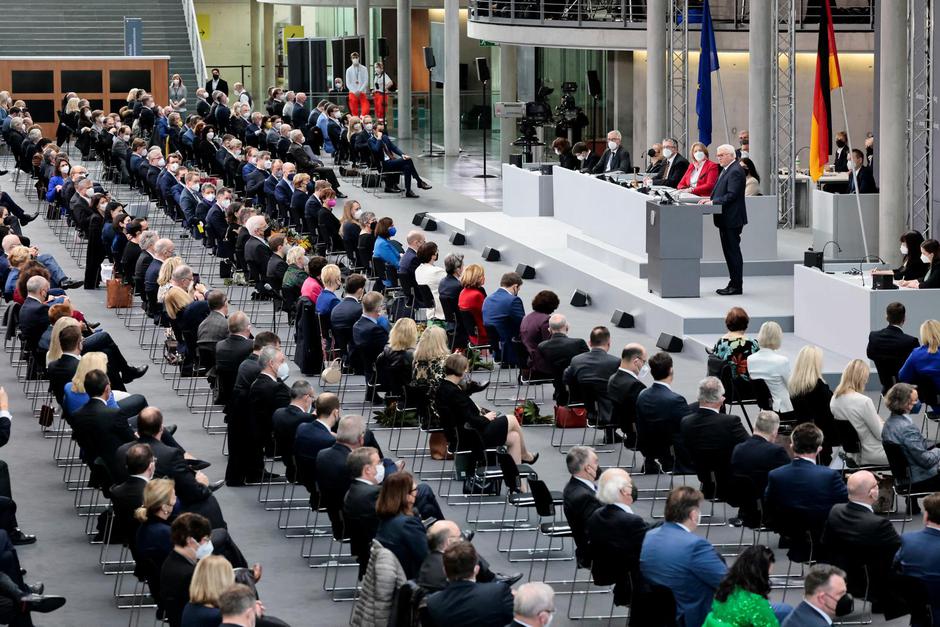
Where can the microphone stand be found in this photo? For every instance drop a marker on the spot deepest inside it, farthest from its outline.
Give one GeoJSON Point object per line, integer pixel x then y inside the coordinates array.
{"type": "Point", "coordinates": [485, 102]}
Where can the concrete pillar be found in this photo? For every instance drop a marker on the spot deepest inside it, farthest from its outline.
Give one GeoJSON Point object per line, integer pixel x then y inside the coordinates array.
{"type": "Point", "coordinates": [893, 114]}
{"type": "Point", "coordinates": [508, 91]}
{"type": "Point", "coordinates": [403, 80]}
{"type": "Point", "coordinates": [362, 29]}
{"type": "Point", "coordinates": [295, 18]}
{"type": "Point", "coordinates": [760, 74]}
{"type": "Point", "coordinates": [257, 86]}
{"type": "Point", "coordinates": [657, 117]}
{"type": "Point", "coordinates": [267, 38]}
{"type": "Point", "coordinates": [619, 101]}
{"type": "Point", "coordinates": [451, 116]}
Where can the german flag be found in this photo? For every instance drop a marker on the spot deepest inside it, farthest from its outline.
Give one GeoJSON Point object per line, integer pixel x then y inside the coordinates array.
{"type": "Point", "coordinates": [828, 78]}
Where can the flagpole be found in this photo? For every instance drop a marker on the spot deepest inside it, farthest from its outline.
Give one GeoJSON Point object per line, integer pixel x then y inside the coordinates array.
{"type": "Point", "coordinates": [724, 110]}
{"type": "Point", "coordinates": [854, 173]}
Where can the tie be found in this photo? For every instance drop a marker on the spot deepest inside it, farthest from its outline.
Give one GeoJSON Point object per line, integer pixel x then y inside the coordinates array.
{"type": "Point", "coordinates": [666, 172]}
{"type": "Point", "coordinates": [610, 161]}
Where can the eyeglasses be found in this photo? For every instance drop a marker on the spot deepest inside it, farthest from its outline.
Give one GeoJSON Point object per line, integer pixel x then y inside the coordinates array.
{"type": "Point", "coordinates": [413, 490]}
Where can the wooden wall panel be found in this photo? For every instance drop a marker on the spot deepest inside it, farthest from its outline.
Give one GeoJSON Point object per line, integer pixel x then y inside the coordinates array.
{"type": "Point", "coordinates": [158, 68]}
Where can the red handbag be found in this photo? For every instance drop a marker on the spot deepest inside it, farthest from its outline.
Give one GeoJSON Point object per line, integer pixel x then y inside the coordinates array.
{"type": "Point", "coordinates": [570, 417]}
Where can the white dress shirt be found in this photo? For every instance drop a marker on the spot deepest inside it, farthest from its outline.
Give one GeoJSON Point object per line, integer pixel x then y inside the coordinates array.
{"type": "Point", "coordinates": [774, 368]}
{"type": "Point", "coordinates": [357, 78]}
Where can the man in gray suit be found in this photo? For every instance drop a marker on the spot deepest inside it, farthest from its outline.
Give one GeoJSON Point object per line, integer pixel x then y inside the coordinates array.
{"type": "Point", "coordinates": [588, 375]}
{"type": "Point", "coordinates": [215, 327]}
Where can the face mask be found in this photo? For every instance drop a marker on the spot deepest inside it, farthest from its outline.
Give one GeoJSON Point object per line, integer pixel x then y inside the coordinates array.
{"type": "Point", "coordinates": [337, 114]}
{"type": "Point", "coordinates": [557, 152]}
{"type": "Point", "coordinates": [378, 72]}
{"type": "Point", "coordinates": [925, 258]}
{"type": "Point", "coordinates": [357, 127]}
{"type": "Point", "coordinates": [840, 143]}
{"type": "Point", "coordinates": [174, 167]}
{"type": "Point", "coordinates": [548, 622]}
{"type": "Point", "coordinates": [236, 152]}
{"type": "Point", "coordinates": [103, 207]}
{"type": "Point", "coordinates": [225, 203]}
{"type": "Point", "coordinates": [379, 472]}
{"type": "Point", "coordinates": [612, 145]}
{"type": "Point", "coordinates": [176, 82]}
{"type": "Point", "coordinates": [845, 605]}
{"type": "Point", "coordinates": [64, 169]}
{"type": "Point", "coordinates": [331, 203]}
{"type": "Point", "coordinates": [392, 231]}
{"type": "Point", "coordinates": [210, 136]}
{"type": "Point", "coordinates": [126, 138]}
{"type": "Point", "coordinates": [209, 197]}
{"type": "Point", "coordinates": [667, 152]}
{"type": "Point", "coordinates": [903, 249]}
{"type": "Point", "coordinates": [253, 160]}
{"type": "Point", "coordinates": [851, 165]}
{"type": "Point", "coordinates": [204, 550]}
{"type": "Point", "coordinates": [634, 493]}
{"type": "Point", "coordinates": [215, 76]}
{"type": "Point", "coordinates": [651, 153]}
{"type": "Point", "coordinates": [283, 371]}
{"type": "Point", "coordinates": [161, 162]}
{"type": "Point", "coordinates": [88, 114]}
{"type": "Point", "coordinates": [644, 370]}
{"type": "Point", "coordinates": [267, 164]}
{"type": "Point", "coordinates": [916, 408]}
{"type": "Point", "coordinates": [355, 62]}
{"type": "Point", "coordinates": [368, 126]}
{"type": "Point", "coordinates": [338, 86]}
{"type": "Point", "coordinates": [290, 177]}
{"type": "Point", "coordinates": [699, 155]}
{"type": "Point", "coordinates": [100, 120]}
{"type": "Point", "coordinates": [194, 187]}
{"type": "Point", "coordinates": [90, 193]}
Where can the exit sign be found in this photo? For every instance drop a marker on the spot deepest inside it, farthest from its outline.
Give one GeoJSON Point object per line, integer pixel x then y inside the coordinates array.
{"type": "Point", "coordinates": [487, 44]}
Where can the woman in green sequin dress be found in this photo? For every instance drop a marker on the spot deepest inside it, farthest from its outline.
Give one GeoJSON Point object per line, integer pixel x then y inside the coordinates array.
{"type": "Point", "coordinates": [741, 598]}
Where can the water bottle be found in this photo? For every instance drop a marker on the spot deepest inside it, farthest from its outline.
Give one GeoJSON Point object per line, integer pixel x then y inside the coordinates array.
{"type": "Point", "coordinates": [797, 164]}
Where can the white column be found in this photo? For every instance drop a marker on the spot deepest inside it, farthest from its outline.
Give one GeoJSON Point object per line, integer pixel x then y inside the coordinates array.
{"type": "Point", "coordinates": [657, 117]}
{"type": "Point", "coordinates": [403, 78]}
{"type": "Point", "coordinates": [893, 120]}
{"type": "Point", "coordinates": [267, 37]}
{"type": "Point", "coordinates": [257, 86]}
{"type": "Point", "coordinates": [508, 92]}
{"type": "Point", "coordinates": [362, 29]}
{"type": "Point", "coordinates": [760, 74]}
{"type": "Point", "coordinates": [295, 18]}
{"type": "Point", "coordinates": [451, 78]}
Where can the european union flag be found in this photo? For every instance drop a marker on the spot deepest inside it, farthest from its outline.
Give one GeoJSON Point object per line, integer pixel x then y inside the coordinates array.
{"type": "Point", "coordinates": [707, 63]}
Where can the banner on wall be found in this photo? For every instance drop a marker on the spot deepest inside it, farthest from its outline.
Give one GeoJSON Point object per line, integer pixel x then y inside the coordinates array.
{"type": "Point", "coordinates": [291, 31]}
{"type": "Point", "coordinates": [203, 23]}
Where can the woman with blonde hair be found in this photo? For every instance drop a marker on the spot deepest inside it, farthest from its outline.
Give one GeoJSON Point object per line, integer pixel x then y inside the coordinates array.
{"type": "Point", "coordinates": [212, 576]}
{"type": "Point", "coordinates": [75, 396]}
{"type": "Point", "coordinates": [471, 300]}
{"type": "Point", "coordinates": [69, 120]}
{"type": "Point", "coordinates": [850, 403]}
{"type": "Point", "coordinates": [177, 95]}
{"type": "Point", "coordinates": [166, 275]}
{"type": "Point", "coordinates": [159, 506]}
{"type": "Point", "coordinates": [331, 278]}
{"type": "Point", "coordinates": [296, 272]}
{"type": "Point", "coordinates": [428, 369]}
{"type": "Point", "coordinates": [393, 365]}
{"type": "Point", "coordinates": [55, 345]}
{"type": "Point", "coordinates": [923, 364]}
{"type": "Point", "coordinates": [771, 366]}
{"type": "Point", "coordinates": [811, 396]}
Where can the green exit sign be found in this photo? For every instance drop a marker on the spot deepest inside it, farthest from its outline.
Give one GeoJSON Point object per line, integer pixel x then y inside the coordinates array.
{"type": "Point", "coordinates": [487, 44]}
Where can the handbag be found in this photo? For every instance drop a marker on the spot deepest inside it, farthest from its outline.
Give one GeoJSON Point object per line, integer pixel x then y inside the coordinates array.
{"type": "Point", "coordinates": [46, 416]}
{"type": "Point", "coordinates": [225, 269]}
{"type": "Point", "coordinates": [570, 417]}
{"type": "Point", "coordinates": [333, 373]}
{"type": "Point", "coordinates": [437, 444]}
{"type": "Point", "coordinates": [120, 296]}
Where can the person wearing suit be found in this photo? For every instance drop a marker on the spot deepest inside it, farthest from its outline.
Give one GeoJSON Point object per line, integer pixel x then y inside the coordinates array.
{"type": "Point", "coordinates": [443, 534]}
{"type": "Point", "coordinates": [359, 505]}
{"type": "Point", "coordinates": [348, 311]}
{"type": "Point", "coordinates": [799, 495]}
{"type": "Point", "coordinates": [587, 159]}
{"type": "Point", "coordinates": [558, 351]}
{"type": "Point", "coordinates": [615, 157]}
{"type": "Point", "coordinates": [579, 498]}
{"type": "Point", "coordinates": [755, 457]}
{"type": "Point", "coordinates": [533, 605]}
{"type": "Point", "coordinates": [912, 266]}
{"type": "Point", "coordinates": [823, 588]}
{"type": "Point", "coordinates": [855, 537]}
{"type": "Point", "coordinates": [369, 337]}
{"type": "Point", "coordinates": [861, 174]}
{"type": "Point", "coordinates": [266, 395]}
{"type": "Point", "coordinates": [311, 438]}
{"type": "Point", "coordinates": [257, 251]}
{"type": "Point", "coordinates": [230, 353]}
{"type": "Point", "coordinates": [674, 557]}
{"type": "Point", "coordinates": [216, 83]}
{"type": "Point", "coordinates": [566, 158]}
{"type": "Point", "coordinates": [922, 457]}
{"type": "Point", "coordinates": [591, 371]}
{"type": "Point", "coordinates": [840, 160]}
{"type": "Point", "coordinates": [729, 193]}
{"type": "Point", "coordinates": [624, 386]}
{"type": "Point", "coordinates": [709, 438]}
{"type": "Point", "coordinates": [286, 420]}
{"type": "Point", "coordinates": [615, 536]}
{"type": "Point", "coordinates": [214, 328]}
{"type": "Point", "coordinates": [190, 199]}
{"type": "Point", "coordinates": [674, 165]}
{"type": "Point", "coordinates": [277, 265]}
{"type": "Point", "coordinates": [659, 414]}
{"type": "Point", "coordinates": [919, 555]}
{"type": "Point", "coordinates": [100, 430]}
{"type": "Point", "coordinates": [391, 159]}
{"type": "Point", "coordinates": [465, 602]}
{"type": "Point", "coordinates": [503, 310]}
{"type": "Point", "coordinates": [128, 495]}
{"type": "Point", "coordinates": [327, 223]}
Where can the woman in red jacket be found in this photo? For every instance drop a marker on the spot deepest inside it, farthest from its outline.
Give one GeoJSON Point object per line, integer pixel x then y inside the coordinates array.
{"type": "Point", "coordinates": [702, 174]}
{"type": "Point", "coordinates": [471, 300]}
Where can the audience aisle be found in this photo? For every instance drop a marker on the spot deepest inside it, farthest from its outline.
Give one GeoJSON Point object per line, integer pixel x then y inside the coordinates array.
{"type": "Point", "coordinates": [290, 590]}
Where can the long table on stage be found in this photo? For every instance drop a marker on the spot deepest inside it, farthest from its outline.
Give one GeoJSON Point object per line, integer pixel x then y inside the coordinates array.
{"type": "Point", "coordinates": [836, 312]}
{"type": "Point", "coordinates": [616, 215]}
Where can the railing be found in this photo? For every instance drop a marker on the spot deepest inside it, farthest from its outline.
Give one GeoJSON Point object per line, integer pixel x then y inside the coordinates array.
{"type": "Point", "coordinates": [195, 41]}
{"type": "Point", "coordinates": [728, 15]}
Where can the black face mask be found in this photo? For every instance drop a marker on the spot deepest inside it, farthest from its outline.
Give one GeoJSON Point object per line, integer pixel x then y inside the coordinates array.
{"type": "Point", "coordinates": [635, 493]}
{"type": "Point", "coordinates": [651, 153]}
{"type": "Point", "coordinates": [845, 606]}
{"type": "Point", "coordinates": [840, 143]}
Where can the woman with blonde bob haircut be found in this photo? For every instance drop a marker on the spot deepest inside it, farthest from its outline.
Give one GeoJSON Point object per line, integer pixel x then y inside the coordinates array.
{"type": "Point", "coordinates": [331, 277]}
{"type": "Point", "coordinates": [471, 300]}
{"type": "Point", "coordinates": [772, 366]}
{"type": "Point", "coordinates": [923, 364]}
{"type": "Point", "coordinates": [55, 344]}
{"type": "Point", "coordinates": [213, 575]}
{"type": "Point", "coordinates": [166, 275]}
{"type": "Point", "coordinates": [75, 396]}
{"type": "Point", "coordinates": [850, 403]}
{"type": "Point", "coordinates": [428, 369]}
{"type": "Point", "coordinates": [404, 335]}
{"type": "Point", "coordinates": [811, 396]}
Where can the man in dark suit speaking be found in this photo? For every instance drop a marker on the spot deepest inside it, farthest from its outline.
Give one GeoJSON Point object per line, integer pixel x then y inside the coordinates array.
{"type": "Point", "coordinates": [729, 193]}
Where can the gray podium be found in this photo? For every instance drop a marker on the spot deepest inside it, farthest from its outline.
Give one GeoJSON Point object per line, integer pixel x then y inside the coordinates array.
{"type": "Point", "coordinates": [674, 247]}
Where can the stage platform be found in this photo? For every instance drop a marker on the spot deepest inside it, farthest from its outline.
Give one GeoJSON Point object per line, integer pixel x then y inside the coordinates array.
{"type": "Point", "coordinates": [563, 255]}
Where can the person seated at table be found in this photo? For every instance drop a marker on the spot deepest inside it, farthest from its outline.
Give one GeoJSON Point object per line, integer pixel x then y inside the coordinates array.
{"type": "Point", "coordinates": [930, 255]}
{"type": "Point", "coordinates": [615, 158]}
{"type": "Point", "coordinates": [859, 171]}
{"type": "Point", "coordinates": [566, 159]}
{"type": "Point", "coordinates": [701, 175]}
{"type": "Point", "coordinates": [912, 267]}
{"type": "Point", "coordinates": [586, 158]}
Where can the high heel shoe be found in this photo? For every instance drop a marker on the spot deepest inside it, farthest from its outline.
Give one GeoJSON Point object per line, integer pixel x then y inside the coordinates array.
{"type": "Point", "coordinates": [534, 459]}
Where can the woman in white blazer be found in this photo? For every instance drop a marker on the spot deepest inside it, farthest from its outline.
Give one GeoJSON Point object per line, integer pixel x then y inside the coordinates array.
{"type": "Point", "coordinates": [771, 366]}
{"type": "Point", "coordinates": [849, 402]}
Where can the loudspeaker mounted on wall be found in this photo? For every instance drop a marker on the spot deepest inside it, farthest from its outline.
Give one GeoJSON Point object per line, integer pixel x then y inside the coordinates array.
{"type": "Point", "coordinates": [458, 239]}
{"type": "Point", "coordinates": [483, 69]}
{"type": "Point", "coordinates": [382, 46]}
{"type": "Point", "coordinates": [525, 271]}
{"type": "Point", "coordinates": [669, 343]}
{"type": "Point", "coordinates": [580, 299]}
{"type": "Point", "coordinates": [622, 319]}
{"type": "Point", "coordinates": [490, 254]}
{"type": "Point", "coordinates": [428, 224]}
{"type": "Point", "coordinates": [429, 61]}
{"type": "Point", "coordinates": [418, 218]}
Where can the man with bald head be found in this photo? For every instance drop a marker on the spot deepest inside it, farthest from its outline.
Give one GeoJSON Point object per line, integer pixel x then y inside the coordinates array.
{"type": "Point", "coordinates": [623, 388]}
{"type": "Point", "coordinates": [441, 535]}
{"type": "Point", "coordinates": [409, 260]}
{"type": "Point", "coordinates": [855, 536]}
{"type": "Point", "coordinates": [558, 351]}
{"type": "Point", "coordinates": [57, 274]}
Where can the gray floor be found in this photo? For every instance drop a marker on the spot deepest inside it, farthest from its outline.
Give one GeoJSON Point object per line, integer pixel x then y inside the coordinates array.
{"type": "Point", "coordinates": [68, 564]}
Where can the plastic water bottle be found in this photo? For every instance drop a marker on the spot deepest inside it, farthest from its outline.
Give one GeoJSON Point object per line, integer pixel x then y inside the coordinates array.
{"type": "Point", "coordinates": [798, 164]}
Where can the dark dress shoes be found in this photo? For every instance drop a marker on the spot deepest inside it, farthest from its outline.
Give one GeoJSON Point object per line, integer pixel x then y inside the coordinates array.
{"type": "Point", "coordinates": [69, 284]}
{"type": "Point", "coordinates": [216, 485]}
{"type": "Point", "coordinates": [509, 580]}
{"type": "Point", "coordinates": [27, 219]}
{"type": "Point", "coordinates": [133, 373]}
{"type": "Point", "coordinates": [18, 538]}
{"type": "Point", "coordinates": [42, 604]}
{"type": "Point", "coordinates": [534, 459]}
{"type": "Point", "coordinates": [197, 464]}
{"type": "Point", "coordinates": [411, 194]}
{"type": "Point", "coordinates": [423, 185]}
{"type": "Point", "coordinates": [729, 291]}
{"type": "Point", "coordinates": [341, 195]}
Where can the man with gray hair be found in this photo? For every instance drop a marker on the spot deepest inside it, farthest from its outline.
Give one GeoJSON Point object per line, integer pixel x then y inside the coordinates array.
{"type": "Point", "coordinates": [922, 457]}
{"type": "Point", "coordinates": [80, 203]}
{"type": "Point", "coordinates": [285, 421]}
{"type": "Point", "coordinates": [267, 394]}
{"type": "Point", "coordinates": [257, 251]}
{"type": "Point", "coordinates": [59, 280]}
{"type": "Point", "coordinates": [615, 158]}
{"type": "Point", "coordinates": [755, 458]}
{"type": "Point", "coordinates": [558, 351]}
{"type": "Point", "coordinates": [615, 535]}
{"type": "Point", "coordinates": [449, 288]}
{"type": "Point", "coordinates": [674, 165]}
{"type": "Point", "coordinates": [710, 436]}
{"type": "Point", "coordinates": [533, 605]}
{"type": "Point", "coordinates": [625, 386]}
{"type": "Point", "coordinates": [163, 249]}
{"type": "Point", "coordinates": [580, 497]}
{"type": "Point", "coordinates": [729, 193]}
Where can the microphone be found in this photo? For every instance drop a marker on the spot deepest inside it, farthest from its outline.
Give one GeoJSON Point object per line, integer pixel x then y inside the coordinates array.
{"type": "Point", "coordinates": [832, 241]}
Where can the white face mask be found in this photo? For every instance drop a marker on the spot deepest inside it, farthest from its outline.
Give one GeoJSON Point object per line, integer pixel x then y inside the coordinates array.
{"type": "Point", "coordinates": [699, 155]}
{"type": "Point", "coordinates": [644, 370]}
{"type": "Point", "coordinates": [925, 258]}
{"type": "Point", "coordinates": [64, 169]}
{"type": "Point", "coordinates": [368, 126]}
{"type": "Point", "coordinates": [851, 164]}
{"type": "Point", "coordinates": [210, 136]}
{"type": "Point", "coordinates": [225, 203]}
{"type": "Point", "coordinates": [283, 371]}
{"type": "Point", "coordinates": [174, 167]}
{"type": "Point", "coordinates": [337, 114]}
{"type": "Point", "coordinates": [557, 152]}
{"type": "Point", "coordinates": [209, 197]}
{"type": "Point", "coordinates": [379, 472]}
{"type": "Point", "coordinates": [204, 550]}
{"type": "Point", "coordinates": [612, 145]}
{"type": "Point", "coordinates": [903, 249]}
{"type": "Point", "coordinates": [194, 187]}
{"type": "Point", "coordinates": [161, 162]}
{"type": "Point", "coordinates": [581, 157]}
{"type": "Point", "coordinates": [267, 164]}
{"type": "Point", "coordinates": [667, 152]}
{"type": "Point", "coordinates": [355, 62]}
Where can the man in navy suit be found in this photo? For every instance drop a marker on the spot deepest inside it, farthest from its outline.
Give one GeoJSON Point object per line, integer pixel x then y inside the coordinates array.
{"type": "Point", "coordinates": [799, 495]}
{"type": "Point", "coordinates": [674, 557]}
{"type": "Point", "coordinates": [755, 457]}
{"type": "Point", "coordinates": [659, 414]}
{"type": "Point", "coordinates": [503, 309]}
{"type": "Point", "coordinates": [823, 589]}
{"type": "Point", "coordinates": [190, 199]}
{"type": "Point", "coordinates": [256, 180]}
{"type": "Point", "coordinates": [625, 386]}
{"type": "Point", "coordinates": [465, 602]}
{"type": "Point", "coordinates": [270, 184]}
{"type": "Point", "coordinates": [409, 259]}
{"type": "Point", "coordinates": [215, 222]}
{"type": "Point", "coordinates": [862, 174]}
{"type": "Point", "coordinates": [890, 347]}
{"type": "Point", "coordinates": [284, 190]}
{"type": "Point", "coordinates": [348, 310]}
{"type": "Point", "coordinates": [729, 193]}
{"type": "Point", "coordinates": [919, 555]}
{"type": "Point", "coordinates": [580, 498]}
{"type": "Point", "coordinates": [391, 159]}
{"type": "Point", "coordinates": [369, 337]}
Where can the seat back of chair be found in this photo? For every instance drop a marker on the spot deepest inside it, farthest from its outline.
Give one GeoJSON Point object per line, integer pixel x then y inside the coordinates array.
{"type": "Point", "coordinates": [900, 469]}
{"type": "Point", "coordinates": [510, 470]}
{"type": "Point", "coordinates": [544, 503]}
{"type": "Point", "coordinates": [849, 436]}
{"type": "Point", "coordinates": [424, 297]}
